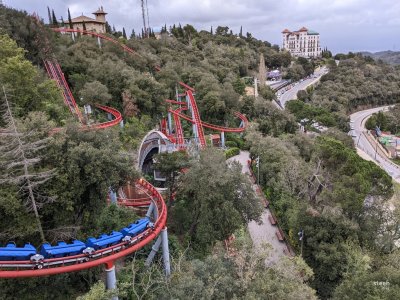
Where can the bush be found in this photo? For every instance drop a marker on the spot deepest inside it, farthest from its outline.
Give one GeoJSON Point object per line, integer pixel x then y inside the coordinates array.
{"type": "Point", "coordinates": [232, 152]}
{"type": "Point", "coordinates": [236, 138]}
{"type": "Point", "coordinates": [231, 144]}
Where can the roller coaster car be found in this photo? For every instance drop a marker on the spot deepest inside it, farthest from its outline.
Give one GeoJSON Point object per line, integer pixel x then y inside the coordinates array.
{"type": "Point", "coordinates": [105, 240]}
{"type": "Point", "coordinates": [12, 252]}
{"type": "Point", "coordinates": [62, 249]}
{"type": "Point", "coordinates": [135, 228]}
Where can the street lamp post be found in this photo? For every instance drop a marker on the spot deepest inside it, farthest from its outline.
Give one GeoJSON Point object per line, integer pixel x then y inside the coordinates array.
{"type": "Point", "coordinates": [301, 238]}
{"type": "Point", "coordinates": [258, 169]}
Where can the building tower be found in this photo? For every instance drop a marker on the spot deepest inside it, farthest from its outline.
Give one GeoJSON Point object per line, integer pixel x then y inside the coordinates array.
{"type": "Point", "coordinates": [100, 15]}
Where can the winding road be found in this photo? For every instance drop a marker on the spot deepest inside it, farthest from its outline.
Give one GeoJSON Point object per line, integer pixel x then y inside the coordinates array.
{"type": "Point", "coordinates": [292, 93]}
{"type": "Point", "coordinates": [368, 148]}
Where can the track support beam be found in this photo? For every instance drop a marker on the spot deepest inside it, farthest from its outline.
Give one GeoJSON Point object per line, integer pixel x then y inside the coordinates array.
{"type": "Point", "coordinates": [153, 252]}
{"type": "Point", "coordinates": [113, 196]}
{"type": "Point", "coordinates": [111, 278]}
{"type": "Point", "coordinates": [169, 123]}
{"type": "Point", "coordinates": [162, 241]}
{"type": "Point", "coordinates": [165, 251]}
{"type": "Point", "coordinates": [222, 140]}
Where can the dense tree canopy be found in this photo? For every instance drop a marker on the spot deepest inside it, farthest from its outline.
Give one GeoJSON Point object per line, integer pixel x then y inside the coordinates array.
{"type": "Point", "coordinates": [213, 193]}
{"type": "Point", "coordinates": [317, 184]}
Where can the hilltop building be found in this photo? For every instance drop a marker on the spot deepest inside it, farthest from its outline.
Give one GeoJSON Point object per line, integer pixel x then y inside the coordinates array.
{"type": "Point", "coordinates": [97, 25]}
{"type": "Point", "coordinates": [302, 43]}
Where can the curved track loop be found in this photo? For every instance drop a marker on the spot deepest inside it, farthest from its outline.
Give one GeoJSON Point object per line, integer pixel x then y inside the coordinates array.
{"type": "Point", "coordinates": [54, 71]}
{"type": "Point", "coordinates": [115, 113]}
{"type": "Point", "coordinates": [177, 115]}
{"type": "Point", "coordinates": [102, 36]}
{"type": "Point", "coordinates": [99, 257]}
{"type": "Point", "coordinates": [215, 127]}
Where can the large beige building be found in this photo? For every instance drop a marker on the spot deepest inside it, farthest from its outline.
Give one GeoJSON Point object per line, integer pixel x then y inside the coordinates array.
{"type": "Point", "coordinates": [97, 25]}
{"type": "Point", "coordinates": [303, 43]}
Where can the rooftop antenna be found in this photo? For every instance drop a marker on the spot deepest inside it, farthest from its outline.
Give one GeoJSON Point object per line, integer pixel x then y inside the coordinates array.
{"type": "Point", "coordinates": [148, 21]}
{"type": "Point", "coordinates": [145, 29]}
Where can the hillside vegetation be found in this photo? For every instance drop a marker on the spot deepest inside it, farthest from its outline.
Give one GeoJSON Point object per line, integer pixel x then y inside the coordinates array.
{"type": "Point", "coordinates": [315, 184]}
{"type": "Point", "coordinates": [390, 57]}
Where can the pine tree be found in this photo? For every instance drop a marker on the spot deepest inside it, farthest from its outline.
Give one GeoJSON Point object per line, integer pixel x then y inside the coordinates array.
{"type": "Point", "coordinates": [241, 32]}
{"type": "Point", "coordinates": [70, 20]}
{"type": "Point", "coordinates": [124, 33]}
{"type": "Point", "coordinates": [55, 22]}
{"type": "Point", "coordinates": [18, 156]}
{"type": "Point", "coordinates": [50, 19]}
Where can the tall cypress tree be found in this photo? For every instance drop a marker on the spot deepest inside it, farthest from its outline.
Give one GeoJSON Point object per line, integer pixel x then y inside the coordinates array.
{"type": "Point", "coordinates": [108, 27]}
{"type": "Point", "coordinates": [83, 25]}
{"type": "Point", "coordinates": [241, 32]}
{"type": "Point", "coordinates": [211, 31]}
{"type": "Point", "coordinates": [50, 19]}
{"type": "Point", "coordinates": [70, 20]}
{"type": "Point", "coordinates": [133, 34]}
{"type": "Point", "coordinates": [124, 33]}
{"type": "Point", "coordinates": [55, 22]}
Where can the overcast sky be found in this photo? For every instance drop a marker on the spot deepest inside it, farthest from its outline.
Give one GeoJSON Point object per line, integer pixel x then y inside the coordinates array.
{"type": "Point", "coordinates": [344, 25]}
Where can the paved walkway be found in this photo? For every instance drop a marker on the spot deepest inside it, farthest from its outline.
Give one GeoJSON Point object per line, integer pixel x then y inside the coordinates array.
{"type": "Point", "coordinates": [262, 234]}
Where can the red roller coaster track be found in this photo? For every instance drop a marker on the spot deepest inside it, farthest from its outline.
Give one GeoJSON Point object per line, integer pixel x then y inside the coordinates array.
{"type": "Point", "coordinates": [102, 36]}
{"type": "Point", "coordinates": [14, 269]}
{"type": "Point", "coordinates": [195, 119]}
{"type": "Point", "coordinates": [99, 257]}
{"type": "Point", "coordinates": [9, 269]}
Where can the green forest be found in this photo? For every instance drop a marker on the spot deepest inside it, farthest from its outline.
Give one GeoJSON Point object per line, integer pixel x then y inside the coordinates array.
{"type": "Point", "coordinates": [314, 183]}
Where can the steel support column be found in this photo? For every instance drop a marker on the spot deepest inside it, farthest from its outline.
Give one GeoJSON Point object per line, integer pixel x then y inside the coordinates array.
{"type": "Point", "coordinates": [150, 210]}
{"type": "Point", "coordinates": [165, 251]}
{"type": "Point", "coordinates": [169, 123]}
{"type": "Point", "coordinates": [111, 278]}
{"type": "Point", "coordinates": [153, 252]}
{"type": "Point", "coordinates": [113, 196]}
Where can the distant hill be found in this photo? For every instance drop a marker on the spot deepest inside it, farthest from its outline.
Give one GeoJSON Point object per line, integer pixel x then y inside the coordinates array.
{"type": "Point", "coordinates": [391, 57]}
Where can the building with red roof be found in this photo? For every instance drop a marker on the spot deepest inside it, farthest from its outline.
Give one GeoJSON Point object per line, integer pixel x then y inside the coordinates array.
{"type": "Point", "coordinates": [97, 25]}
